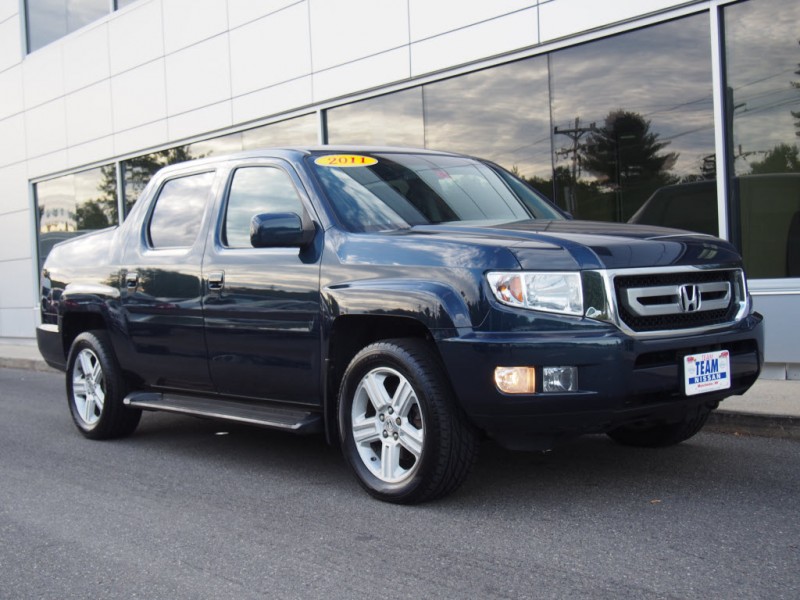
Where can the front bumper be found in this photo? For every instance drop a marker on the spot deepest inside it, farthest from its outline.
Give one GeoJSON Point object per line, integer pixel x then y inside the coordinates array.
{"type": "Point", "coordinates": [621, 379]}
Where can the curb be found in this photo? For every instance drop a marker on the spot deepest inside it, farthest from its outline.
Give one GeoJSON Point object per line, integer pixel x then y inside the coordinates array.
{"type": "Point", "coordinates": [26, 364]}
{"type": "Point", "coordinates": [761, 425]}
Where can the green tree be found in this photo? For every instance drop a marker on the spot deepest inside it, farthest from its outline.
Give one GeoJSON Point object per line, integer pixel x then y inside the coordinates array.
{"type": "Point", "coordinates": [783, 158]}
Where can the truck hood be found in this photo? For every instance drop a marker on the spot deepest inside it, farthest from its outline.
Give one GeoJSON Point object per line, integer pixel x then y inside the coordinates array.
{"type": "Point", "coordinates": [571, 245]}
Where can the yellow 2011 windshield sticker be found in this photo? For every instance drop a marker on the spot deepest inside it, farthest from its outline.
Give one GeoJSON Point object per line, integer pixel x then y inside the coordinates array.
{"type": "Point", "coordinates": [346, 160]}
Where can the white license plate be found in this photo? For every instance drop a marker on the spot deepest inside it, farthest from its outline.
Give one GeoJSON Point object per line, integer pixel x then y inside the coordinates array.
{"type": "Point", "coordinates": [707, 372]}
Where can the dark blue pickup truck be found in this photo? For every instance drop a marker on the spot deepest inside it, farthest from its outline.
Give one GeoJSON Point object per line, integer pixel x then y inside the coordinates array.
{"type": "Point", "coordinates": [404, 302]}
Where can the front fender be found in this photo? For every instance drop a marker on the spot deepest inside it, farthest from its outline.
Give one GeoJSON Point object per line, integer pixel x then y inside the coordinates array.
{"type": "Point", "coordinates": [439, 307]}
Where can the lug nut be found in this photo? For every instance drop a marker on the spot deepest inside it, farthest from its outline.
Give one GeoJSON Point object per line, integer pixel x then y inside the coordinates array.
{"type": "Point", "coordinates": [385, 433]}
{"type": "Point", "coordinates": [382, 418]}
{"type": "Point", "coordinates": [391, 410]}
{"type": "Point", "coordinates": [398, 421]}
{"type": "Point", "coordinates": [394, 435]}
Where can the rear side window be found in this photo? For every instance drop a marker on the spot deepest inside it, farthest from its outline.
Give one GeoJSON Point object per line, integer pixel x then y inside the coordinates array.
{"type": "Point", "coordinates": [179, 209]}
{"type": "Point", "coordinates": [255, 191]}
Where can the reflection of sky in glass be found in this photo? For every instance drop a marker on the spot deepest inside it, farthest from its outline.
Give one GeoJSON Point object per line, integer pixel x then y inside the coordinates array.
{"type": "Point", "coordinates": [59, 198]}
{"type": "Point", "coordinates": [500, 114]}
{"type": "Point", "coordinates": [661, 72]}
{"type": "Point", "coordinates": [391, 120]}
{"type": "Point", "coordinates": [219, 146]}
{"type": "Point", "coordinates": [762, 53]}
{"type": "Point", "coordinates": [83, 12]}
{"type": "Point", "coordinates": [179, 211]}
{"type": "Point", "coordinates": [47, 21]}
{"type": "Point", "coordinates": [300, 131]}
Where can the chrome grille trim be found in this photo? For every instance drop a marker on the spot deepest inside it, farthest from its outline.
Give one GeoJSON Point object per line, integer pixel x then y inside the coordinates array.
{"type": "Point", "coordinates": [675, 299]}
{"type": "Point", "coordinates": [738, 302]}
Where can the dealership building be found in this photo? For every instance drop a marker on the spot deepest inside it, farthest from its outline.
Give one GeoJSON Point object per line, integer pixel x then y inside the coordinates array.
{"type": "Point", "coordinates": [685, 114]}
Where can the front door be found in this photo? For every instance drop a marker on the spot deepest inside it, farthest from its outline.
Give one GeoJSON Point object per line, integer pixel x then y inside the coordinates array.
{"type": "Point", "coordinates": [262, 305]}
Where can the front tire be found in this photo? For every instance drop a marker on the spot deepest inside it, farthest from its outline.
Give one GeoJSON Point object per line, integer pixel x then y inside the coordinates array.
{"type": "Point", "coordinates": [402, 432]}
{"type": "Point", "coordinates": [96, 389]}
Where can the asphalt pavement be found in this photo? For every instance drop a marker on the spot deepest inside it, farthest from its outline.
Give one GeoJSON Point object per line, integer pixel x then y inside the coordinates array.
{"type": "Point", "coordinates": [187, 508]}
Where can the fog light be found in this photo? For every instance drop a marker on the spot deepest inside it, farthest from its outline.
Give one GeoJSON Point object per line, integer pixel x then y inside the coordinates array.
{"type": "Point", "coordinates": [560, 379]}
{"type": "Point", "coordinates": [515, 380]}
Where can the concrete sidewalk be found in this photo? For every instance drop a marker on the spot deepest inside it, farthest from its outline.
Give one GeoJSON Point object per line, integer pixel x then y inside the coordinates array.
{"type": "Point", "coordinates": [769, 408]}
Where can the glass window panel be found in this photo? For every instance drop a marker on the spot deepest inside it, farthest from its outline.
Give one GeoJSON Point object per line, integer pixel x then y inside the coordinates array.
{"type": "Point", "coordinates": [226, 144]}
{"type": "Point", "coordinates": [75, 204]}
{"type": "Point", "coordinates": [501, 114]}
{"type": "Point", "coordinates": [633, 113]}
{"type": "Point", "coordinates": [390, 120]}
{"type": "Point", "coordinates": [300, 131]}
{"type": "Point", "coordinates": [83, 12]}
{"type": "Point", "coordinates": [138, 171]}
{"type": "Point", "coordinates": [254, 191]}
{"type": "Point", "coordinates": [179, 211]}
{"type": "Point", "coordinates": [47, 21]}
{"type": "Point", "coordinates": [122, 3]}
{"type": "Point", "coordinates": [762, 49]}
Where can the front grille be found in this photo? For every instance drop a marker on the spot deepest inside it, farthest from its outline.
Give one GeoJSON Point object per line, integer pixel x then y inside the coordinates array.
{"type": "Point", "coordinates": [676, 300]}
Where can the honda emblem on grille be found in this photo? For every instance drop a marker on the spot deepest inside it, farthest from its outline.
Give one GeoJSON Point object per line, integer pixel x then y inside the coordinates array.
{"type": "Point", "coordinates": [689, 298]}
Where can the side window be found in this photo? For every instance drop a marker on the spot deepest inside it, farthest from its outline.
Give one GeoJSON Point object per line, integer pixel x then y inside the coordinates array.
{"type": "Point", "coordinates": [179, 209]}
{"type": "Point", "coordinates": [254, 191]}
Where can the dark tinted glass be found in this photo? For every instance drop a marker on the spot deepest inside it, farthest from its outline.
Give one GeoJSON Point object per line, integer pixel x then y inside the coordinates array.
{"type": "Point", "coordinates": [75, 204]}
{"type": "Point", "coordinates": [179, 211]}
{"type": "Point", "coordinates": [631, 114]}
{"type": "Point", "coordinates": [254, 191]}
{"type": "Point", "coordinates": [390, 120]}
{"type": "Point", "coordinates": [763, 78]}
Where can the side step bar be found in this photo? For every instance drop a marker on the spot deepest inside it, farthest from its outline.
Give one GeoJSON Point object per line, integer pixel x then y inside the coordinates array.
{"type": "Point", "coordinates": [289, 419]}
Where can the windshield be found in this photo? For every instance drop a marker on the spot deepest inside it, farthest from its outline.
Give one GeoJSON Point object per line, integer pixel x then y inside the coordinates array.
{"type": "Point", "coordinates": [386, 192]}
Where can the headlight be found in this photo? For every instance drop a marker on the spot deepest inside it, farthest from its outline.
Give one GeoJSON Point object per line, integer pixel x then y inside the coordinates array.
{"type": "Point", "coordinates": [548, 292]}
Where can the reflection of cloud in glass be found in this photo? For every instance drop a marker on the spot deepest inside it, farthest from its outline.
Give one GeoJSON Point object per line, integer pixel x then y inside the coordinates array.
{"type": "Point", "coordinates": [762, 54]}
{"type": "Point", "coordinates": [661, 72]}
{"type": "Point", "coordinates": [499, 113]}
{"type": "Point", "coordinates": [394, 120]}
{"type": "Point", "coordinates": [300, 131]}
{"type": "Point", "coordinates": [226, 144]}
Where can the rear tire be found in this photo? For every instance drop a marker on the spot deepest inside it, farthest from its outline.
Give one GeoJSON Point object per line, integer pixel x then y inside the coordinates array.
{"type": "Point", "coordinates": [661, 435]}
{"type": "Point", "coordinates": [96, 388]}
{"type": "Point", "coordinates": [402, 432]}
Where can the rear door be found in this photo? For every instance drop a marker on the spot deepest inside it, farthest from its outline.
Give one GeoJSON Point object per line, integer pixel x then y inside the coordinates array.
{"type": "Point", "coordinates": [161, 285]}
{"type": "Point", "coordinates": [262, 305]}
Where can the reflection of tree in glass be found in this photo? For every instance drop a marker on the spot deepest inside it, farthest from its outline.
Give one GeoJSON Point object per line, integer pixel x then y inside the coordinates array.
{"type": "Point", "coordinates": [624, 149]}
{"type": "Point", "coordinates": [91, 215]}
{"type": "Point", "coordinates": [139, 170]}
{"type": "Point", "coordinates": [783, 158]}
{"type": "Point", "coordinates": [796, 113]}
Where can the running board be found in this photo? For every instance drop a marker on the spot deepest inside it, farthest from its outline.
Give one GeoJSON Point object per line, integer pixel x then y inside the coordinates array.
{"type": "Point", "coordinates": [251, 413]}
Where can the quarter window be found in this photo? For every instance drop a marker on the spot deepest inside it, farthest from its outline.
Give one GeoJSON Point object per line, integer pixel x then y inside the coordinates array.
{"type": "Point", "coordinates": [254, 191]}
{"type": "Point", "coordinates": [179, 211]}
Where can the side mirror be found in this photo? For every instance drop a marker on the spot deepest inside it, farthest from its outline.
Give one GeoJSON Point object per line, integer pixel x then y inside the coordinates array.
{"type": "Point", "coordinates": [280, 230]}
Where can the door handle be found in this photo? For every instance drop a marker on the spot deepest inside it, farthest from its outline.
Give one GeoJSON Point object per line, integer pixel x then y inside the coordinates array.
{"type": "Point", "coordinates": [131, 280]}
{"type": "Point", "coordinates": [216, 281]}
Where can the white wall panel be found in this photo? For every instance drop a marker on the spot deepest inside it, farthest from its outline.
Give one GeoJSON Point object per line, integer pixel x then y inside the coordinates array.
{"type": "Point", "coordinates": [139, 96]}
{"type": "Point", "coordinates": [202, 120]}
{"type": "Point", "coordinates": [561, 18]}
{"type": "Point", "coordinates": [244, 11]}
{"type": "Point", "coordinates": [270, 51]}
{"type": "Point", "coordinates": [8, 8]}
{"type": "Point", "coordinates": [43, 75]}
{"type": "Point", "coordinates": [86, 57]}
{"type": "Point", "coordinates": [135, 36]}
{"type": "Point", "coordinates": [46, 128]}
{"type": "Point", "coordinates": [15, 236]}
{"type": "Point", "coordinates": [363, 74]}
{"type": "Point", "coordinates": [89, 113]}
{"type": "Point", "coordinates": [17, 322]}
{"type": "Point", "coordinates": [345, 31]}
{"type": "Point", "coordinates": [273, 100]}
{"type": "Point", "coordinates": [94, 151]}
{"type": "Point", "coordinates": [20, 294]}
{"type": "Point", "coordinates": [504, 34]}
{"type": "Point", "coordinates": [141, 138]}
{"type": "Point", "coordinates": [10, 43]}
{"type": "Point", "coordinates": [13, 188]}
{"type": "Point", "coordinates": [12, 134]}
{"type": "Point", "coordinates": [433, 18]}
{"type": "Point", "coordinates": [198, 76]}
{"type": "Point", "coordinates": [47, 164]}
{"type": "Point", "coordinates": [11, 97]}
{"type": "Point", "coordinates": [187, 22]}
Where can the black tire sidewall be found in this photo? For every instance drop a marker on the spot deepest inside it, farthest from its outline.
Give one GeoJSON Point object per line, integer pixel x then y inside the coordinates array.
{"type": "Point", "coordinates": [391, 356]}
